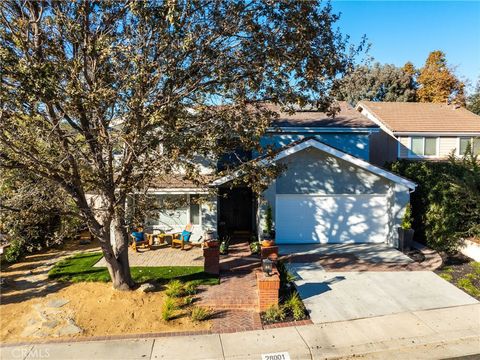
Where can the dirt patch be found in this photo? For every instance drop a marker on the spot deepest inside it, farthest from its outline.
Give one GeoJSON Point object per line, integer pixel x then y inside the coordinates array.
{"type": "Point", "coordinates": [34, 307]}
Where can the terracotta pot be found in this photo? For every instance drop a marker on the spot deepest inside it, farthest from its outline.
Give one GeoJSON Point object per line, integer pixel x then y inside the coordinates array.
{"type": "Point", "coordinates": [212, 243]}
{"type": "Point", "coordinates": [268, 243]}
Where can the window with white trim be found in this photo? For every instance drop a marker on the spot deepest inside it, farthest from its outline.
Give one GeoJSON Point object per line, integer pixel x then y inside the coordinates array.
{"type": "Point", "coordinates": [474, 143]}
{"type": "Point", "coordinates": [424, 146]}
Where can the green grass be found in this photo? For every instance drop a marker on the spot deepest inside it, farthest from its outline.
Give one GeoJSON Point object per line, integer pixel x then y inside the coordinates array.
{"type": "Point", "coordinates": [446, 274]}
{"type": "Point", "coordinates": [468, 281]}
{"type": "Point", "coordinates": [79, 268]}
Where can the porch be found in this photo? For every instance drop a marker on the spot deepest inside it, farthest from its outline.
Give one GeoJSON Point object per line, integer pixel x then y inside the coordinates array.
{"type": "Point", "coordinates": [162, 256]}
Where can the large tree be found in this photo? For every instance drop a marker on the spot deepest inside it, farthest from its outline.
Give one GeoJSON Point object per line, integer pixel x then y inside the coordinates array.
{"type": "Point", "coordinates": [437, 82]}
{"type": "Point", "coordinates": [103, 96]}
{"type": "Point", "coordinates": [377, 82]}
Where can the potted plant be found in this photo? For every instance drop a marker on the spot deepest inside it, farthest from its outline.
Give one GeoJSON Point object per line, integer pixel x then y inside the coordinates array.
{"type": "Point", "coordinates": [224, 245]}
{"type": "Point", "coordinates": [405, 231]}
{"type": "Point", "coordinates": [268, 232]}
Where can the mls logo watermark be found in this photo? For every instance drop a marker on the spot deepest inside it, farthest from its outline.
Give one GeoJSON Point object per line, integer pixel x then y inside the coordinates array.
{"type": "Point", "coordinates": [21, 353]}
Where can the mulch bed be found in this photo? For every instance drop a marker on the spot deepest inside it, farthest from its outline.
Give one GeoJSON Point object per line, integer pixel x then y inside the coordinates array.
{"type": "Point", "coordinates": [457, 267]}
{"type": "Point", "coordinates": [416, 255]}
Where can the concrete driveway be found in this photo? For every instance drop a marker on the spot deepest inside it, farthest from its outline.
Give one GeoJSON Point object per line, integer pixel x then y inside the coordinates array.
{"type": "Point", "coordinates": [345, 295]}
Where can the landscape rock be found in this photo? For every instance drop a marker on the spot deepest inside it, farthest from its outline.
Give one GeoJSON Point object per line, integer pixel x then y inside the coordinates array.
{"type": "Point", "coordinates": [51, 324]}
{"type": "Point", "coordinates": [69, 329]}
{"type": "Point", "coordinates": [56, 303]}
{"type": "Point", "coordinates": [147, 287]}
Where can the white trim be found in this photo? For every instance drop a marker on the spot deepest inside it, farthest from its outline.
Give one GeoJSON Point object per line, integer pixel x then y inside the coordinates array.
{"type": "Point", "coordinates": [329, 150]}
{"type": "Point", "coordinates": [313, 129]}
{"type": "Point", "coordinates": [436, 133]}
{"type": "Point", "coordinates": [333, 195]}
{"type": "Point", "coordinates": [369, 115]}
{"type": "Point", "coordinates": [176, 191]}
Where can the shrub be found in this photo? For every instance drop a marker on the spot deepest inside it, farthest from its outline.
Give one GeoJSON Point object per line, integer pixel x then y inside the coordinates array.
{"type": "Point", "coordinates": [175, 289]}
{"type": "Point", "coordinates": [190, 288]}
{"type": "Point", "coordinates": [15, 251]}
{"type": "Point", "coordinates": [168, 308]}
{"type": "Point", "coordinates": [188, 300]}
{"type": "Point", "coordinates": [274, 313]}
{"type": "Point", "coordinates": [407, 218]}
{"type": "Point", "coordinates": [446, 203]}
{"type": "Point", "coordinates": [200, 314]}
{"type": "Point", "coordinates": [255, 247]}
{"type": "Point", "coordinates": [286, 276]}
{"type": "Point", "coordinates": [269, 220]}
{"type": "Point", "coordinates": [295, 305]}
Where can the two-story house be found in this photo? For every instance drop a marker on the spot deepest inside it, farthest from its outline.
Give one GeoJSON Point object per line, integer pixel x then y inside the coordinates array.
{"type": "Point", "coordinates": [420, 130]}
{"type": "Point", "coordinates": [329, 191]}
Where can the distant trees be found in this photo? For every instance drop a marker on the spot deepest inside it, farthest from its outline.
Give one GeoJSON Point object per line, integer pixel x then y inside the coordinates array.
{"type": "Point", "coordinates": [473, 101]}
{"type": "Point", "coordinates": [377, 83]}
{"type": "Point", "coordinates": [434, 82]}
{"type": "Point", "coordinates": [437, 82]}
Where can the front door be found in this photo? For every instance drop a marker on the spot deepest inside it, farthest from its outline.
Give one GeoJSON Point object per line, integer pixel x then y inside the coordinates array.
{"type": "Point", "coordinates": [236, 209]}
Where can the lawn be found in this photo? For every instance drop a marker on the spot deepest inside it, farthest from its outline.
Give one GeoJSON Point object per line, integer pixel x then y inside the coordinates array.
{"type": "Point", "coordinates": [79, 268]}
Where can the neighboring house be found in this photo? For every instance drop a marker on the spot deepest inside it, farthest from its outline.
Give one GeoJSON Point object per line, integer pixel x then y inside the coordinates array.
{"type": "Point", "coordinates": [420, 130]}
{"type": "Point", "coordinates": [329, 192]}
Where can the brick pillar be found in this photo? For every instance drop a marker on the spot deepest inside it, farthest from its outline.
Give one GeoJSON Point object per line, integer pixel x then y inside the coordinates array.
{"type": "Point", "coordinates": [266, 252]}
{"type": "Point", "coordinates": [212, 260]}
{"type": "Point", "coordinates": [267, 289]}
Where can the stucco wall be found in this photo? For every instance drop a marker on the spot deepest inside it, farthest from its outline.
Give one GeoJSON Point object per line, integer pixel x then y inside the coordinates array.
{"type": "Point", "coordinates": [311, 171]}
{"type": "Point", "coordinates": [208, 211]}
{"type": "Point", "coordinates": [356, 144]}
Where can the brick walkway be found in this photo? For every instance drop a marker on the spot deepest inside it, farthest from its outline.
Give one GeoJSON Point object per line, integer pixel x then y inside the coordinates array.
{"type": "Point", "coordinates": [235, 299]}
{"type": "Point", "coordinates": [163, 255]}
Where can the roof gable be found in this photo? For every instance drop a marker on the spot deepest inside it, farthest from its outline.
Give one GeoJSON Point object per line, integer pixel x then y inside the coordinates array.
{"type": "Point", "coordinates": [422, 117]}
{"type": "Point", "coordinates": [311, 142]}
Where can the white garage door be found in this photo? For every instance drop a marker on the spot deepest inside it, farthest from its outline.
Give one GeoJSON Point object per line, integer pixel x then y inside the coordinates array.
{"type": "Point", "coordinates": [330, 219]}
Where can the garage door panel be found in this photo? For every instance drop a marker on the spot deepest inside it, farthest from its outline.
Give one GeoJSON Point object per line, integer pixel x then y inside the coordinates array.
{"type": "Point", "coordinates": [331, 219]}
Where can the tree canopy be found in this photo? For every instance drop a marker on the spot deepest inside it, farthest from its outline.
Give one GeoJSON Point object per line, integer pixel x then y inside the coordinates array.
{"type": "Point", "coordinates": [473, 101]}
{"type": "Point", "coordinates": [437, 82]}
{"type": "Point", "coordinates": [377, 83]}
{"type": "Point", "coordinates": [105, 96]}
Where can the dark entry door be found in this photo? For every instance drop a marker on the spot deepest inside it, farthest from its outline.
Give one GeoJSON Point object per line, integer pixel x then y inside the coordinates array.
{"type": "Point", "coordinates": [236, 210]}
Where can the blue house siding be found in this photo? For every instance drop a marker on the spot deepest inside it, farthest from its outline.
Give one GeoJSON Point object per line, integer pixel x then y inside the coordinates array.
{"type": "Point", "coordinates": [356, 144]}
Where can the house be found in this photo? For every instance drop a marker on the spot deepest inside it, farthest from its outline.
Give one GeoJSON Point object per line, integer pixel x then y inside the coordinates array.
{"type": "Point", "coordinates": [420, 130]}
{"type": "Point", "coordinates": [329, 191]}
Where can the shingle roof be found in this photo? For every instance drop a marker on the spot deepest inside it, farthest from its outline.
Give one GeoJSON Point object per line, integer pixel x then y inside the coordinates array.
{"type": "Point", "coordinates": [422, 117]}
{"type": "Point", "coordinates": [347, 117]}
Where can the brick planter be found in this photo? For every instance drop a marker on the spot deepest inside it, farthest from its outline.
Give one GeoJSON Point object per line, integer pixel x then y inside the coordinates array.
{"type": "Point", "coordinates": [212, 260]}
{"type": "Point", "coordinates": [267, 289]}
{"type": "Point", "coordinates": [266, 252]}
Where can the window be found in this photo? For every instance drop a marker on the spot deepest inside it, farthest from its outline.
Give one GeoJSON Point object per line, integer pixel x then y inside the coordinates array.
{"type": "Point", "coordinates": [194, 210]}
{"type": "Point", "coordinates": [430, 147]}
{"type": "Point", "coordinates": [474, 143]}
{"type": "Point", "coordinates": [424, 146]}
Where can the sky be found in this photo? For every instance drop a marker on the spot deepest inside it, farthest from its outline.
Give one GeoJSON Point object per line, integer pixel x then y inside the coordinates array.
{"type": "Point", "coordinates": [401, 31]}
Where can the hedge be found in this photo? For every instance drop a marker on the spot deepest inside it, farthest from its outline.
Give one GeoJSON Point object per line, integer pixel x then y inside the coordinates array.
{"type": "Point", "coordinates": [446, 202]}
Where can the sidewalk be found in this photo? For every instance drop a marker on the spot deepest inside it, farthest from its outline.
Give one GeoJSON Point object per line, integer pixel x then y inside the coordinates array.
{"type": "Point", "coordinates": [430, 334]}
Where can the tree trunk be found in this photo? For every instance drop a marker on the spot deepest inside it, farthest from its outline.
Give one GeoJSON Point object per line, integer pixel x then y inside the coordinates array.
{"type": "Point", "coordinates": [116, 256]}
{"type": "Point", "coordinates": [119, 270]}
